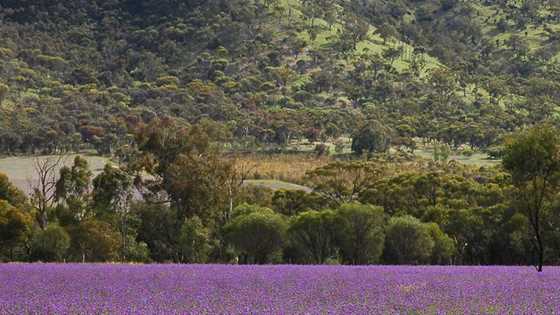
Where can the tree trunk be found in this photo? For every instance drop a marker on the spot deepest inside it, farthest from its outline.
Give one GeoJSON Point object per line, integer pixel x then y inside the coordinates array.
{"type": "Point", "coordinates": [43, 218]}
{"type": "Point", "coordinates": [541, 260]}
{"type": "Point", "coordinates": [539, 241]}
{"type": "Point", "coordinates": [540, 250]}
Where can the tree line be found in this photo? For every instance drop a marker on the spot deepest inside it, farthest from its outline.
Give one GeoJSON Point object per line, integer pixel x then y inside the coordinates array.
{"type": "Point", "coordinates": [177, 197]}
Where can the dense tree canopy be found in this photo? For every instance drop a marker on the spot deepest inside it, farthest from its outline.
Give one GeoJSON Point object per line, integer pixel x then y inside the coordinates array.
{"type": "Point", "coordinates": [462, 72]}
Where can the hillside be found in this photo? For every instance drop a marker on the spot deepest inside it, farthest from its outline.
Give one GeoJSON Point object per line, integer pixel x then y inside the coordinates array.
{"type": "Point", "coordinates": [87, 73]}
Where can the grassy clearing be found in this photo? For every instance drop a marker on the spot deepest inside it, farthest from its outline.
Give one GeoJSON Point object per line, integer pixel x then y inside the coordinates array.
{"type": "Point", "coordinates": [283, 167]}
{"type": "Point", "coordinates": [276, 185]}
{"type": "Point", "coordinates": [476, 159]}
{"type": "Point", "coordinates": [20, 170]}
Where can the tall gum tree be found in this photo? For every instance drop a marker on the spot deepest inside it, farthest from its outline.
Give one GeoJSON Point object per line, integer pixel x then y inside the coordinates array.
{"type": "Point", "coordinates": [533, 159]}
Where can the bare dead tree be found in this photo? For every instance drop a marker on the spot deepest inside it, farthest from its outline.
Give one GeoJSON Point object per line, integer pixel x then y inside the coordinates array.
{"type": "Point", "coordinates": [122, 208]}
{"type": "Point", "coordinates": [239, 174]}
{"type": "Point", "coordinates": [43, 188]}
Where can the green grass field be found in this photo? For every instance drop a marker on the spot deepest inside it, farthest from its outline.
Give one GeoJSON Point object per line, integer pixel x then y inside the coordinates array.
{"type": "Point", "coordinates": [276, 185]}
{"type": "Point", "coordinates": [476, 159]}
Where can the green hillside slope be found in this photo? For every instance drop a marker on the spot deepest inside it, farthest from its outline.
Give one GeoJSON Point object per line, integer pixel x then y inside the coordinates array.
{"type": "Point", "coordinates": [77, 74]}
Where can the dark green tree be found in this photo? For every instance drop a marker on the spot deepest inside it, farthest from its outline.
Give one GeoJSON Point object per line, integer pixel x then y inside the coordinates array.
{"type": "Point", "coordinates": [74, 186]}
{"type": "Point", "coordinates": [532, 158]}
{"type": "Point", "coordinates": [194, 241]}
{"type": "Point", "coordinates": [444, 246]}
{"type": "Point", "coordinates": [256, 233]}
{"type": "Point", "coordinates": [360, 234]}
{"type": "Point", "coordinates": [408, 241]}
{"type": "Point", "coordinates": [50, 244]}
{"type": "Point", "coordinates": [371, 137]}
{"type": "Point", "coordinates": [312, 234]}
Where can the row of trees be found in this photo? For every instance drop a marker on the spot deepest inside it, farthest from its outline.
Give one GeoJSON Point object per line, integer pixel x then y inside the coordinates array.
{"type": "Point", "coordinates": [92, 226]}
{"type": "Point", "coordinates": [353, 234]}
{"type": "Point", "coordinates": [177, 198]}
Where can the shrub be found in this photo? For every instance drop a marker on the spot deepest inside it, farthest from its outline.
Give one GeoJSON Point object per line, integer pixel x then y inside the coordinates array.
{"type": "Point", "coordinates": [136, 251]}
{"type": "Point", "coordinates": [256, 233]}
{"type": "Point", "coordinates": [312, 236]}
{"type": "Point", "coordinates": [50, 244]}
{"type": "Point", "coordinates": [408, 241]}
{"type": "Point", "coordinates": [444, 246]}
{"type": "Point", "coordinates": [95, 241]}
{"type": "Point", "coordinates": [360, 233]}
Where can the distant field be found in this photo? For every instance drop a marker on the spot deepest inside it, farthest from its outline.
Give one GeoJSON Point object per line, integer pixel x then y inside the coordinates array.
{"type": "Point", "coordinates": [20, 170]}
{"type": "Point", "coordinates": [476, 159]}
{"type": "Point", "coordinates": [290, 168]}
{"type": "Point", "coordinates": [425, 152]}
{"type": "Point", "coordinates": [276, 185]}
{"type": "Point", "coordinates": [227, 289]}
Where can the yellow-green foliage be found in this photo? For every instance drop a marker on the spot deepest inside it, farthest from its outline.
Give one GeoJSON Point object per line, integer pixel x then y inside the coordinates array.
{"type": "Point", "coordinates": [54, 62]}
{"type": "Point", "coordinates": [167, 80]}
{"type": "Point", "coordinates": [4, 89]}
{"type": "Point", "coordinates": [200, 88]}
{"type": "Point", "coordinates": [6, 53]}
{"type": "Point", "coordinates": [168, 88]}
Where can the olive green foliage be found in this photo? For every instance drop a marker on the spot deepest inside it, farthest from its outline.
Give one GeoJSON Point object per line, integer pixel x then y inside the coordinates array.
{"type": "Point", "coordinates": [73, 185]}
{"type": "Point", "coordinates": [372, 137]}
{"type": "Point", "coordinates": [50, 244]}
{"type": "Point", "coordinates": [135, 251]}
{"type": "Point", "coordinates": [10, 192]}
{"type": "Point", "coordinates": [390, 210]}
{"type": "Point", "coordinates": [16, 222]}
{"type": "Point", "coordinates": [112, 188]}
{"type": "Point", "coordinates": [444, 246]}
{"type": "Point", "coordinates": [533, 160]}
{"type": "Point", "coordinates": [4, 89]}
{"type": "Point", "coordinates": [313, 236]}
{"type": "Point", "coordinates": [184, 164]}
{"type": "Point", "coordinates": [341, 182]}
{"type": "Point", "coordinates": [360, 234]}
{"type": "Point", "coordinates": [15, 226]}
{"type": "Point", "coordinates": [408, 241]}
{"type": "Point", "coordinates": [194, 241]}
{"type": "Point", "coordinates": [533, 155]}
{"type": "Point", "coordinates": [257, 233]}
{"type": "Point", "coordinates": [292, 202]}
{"type": "Point", "coordinates": [95, 241]}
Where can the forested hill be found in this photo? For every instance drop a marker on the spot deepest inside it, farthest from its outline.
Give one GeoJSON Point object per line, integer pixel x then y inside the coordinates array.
{"type": "Point", "coordinates": [81, 72]}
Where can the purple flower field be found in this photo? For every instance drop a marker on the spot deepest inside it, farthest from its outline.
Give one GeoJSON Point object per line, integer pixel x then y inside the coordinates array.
{"type": "Point", "coordinates": [215, 289]}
